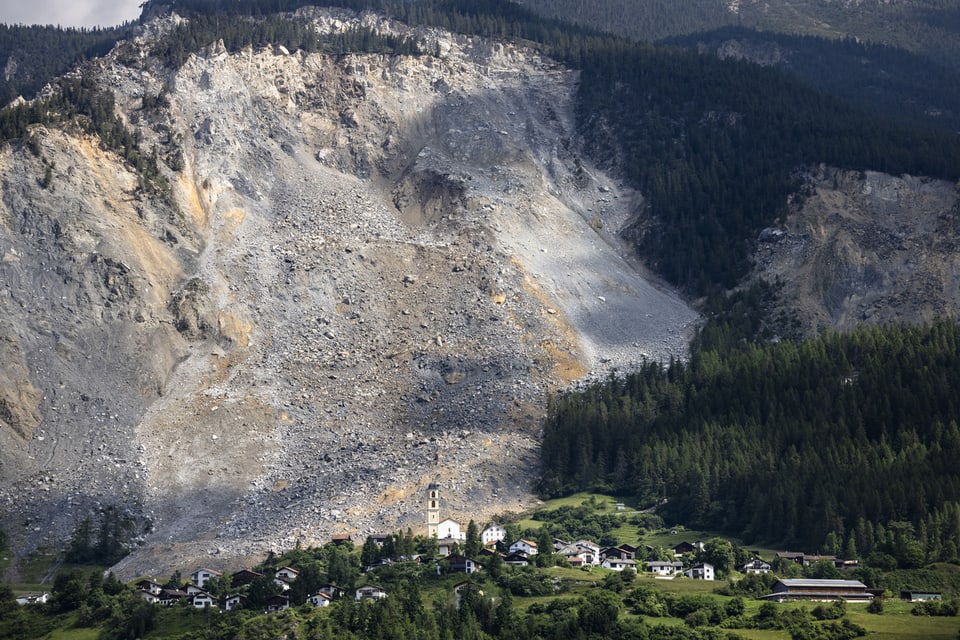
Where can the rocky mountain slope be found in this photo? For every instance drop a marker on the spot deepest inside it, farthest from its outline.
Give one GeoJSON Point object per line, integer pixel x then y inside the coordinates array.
{"type": "Point", "coordinates": [866, 247]}
{"type": "Point", "coordinates": [367, 275]}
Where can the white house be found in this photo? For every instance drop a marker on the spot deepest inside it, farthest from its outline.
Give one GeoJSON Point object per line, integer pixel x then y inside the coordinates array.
{"type": "Point", "coordinates": [202, 600]}
{"type": "Point", "coordinates": [664, 567]}
{"type": "Point", "coordinates": [33, 598]}
{"type": "Point", "coordinates": [619, 564]}
{"type": "Point", "coordinates": [370, 591]}
{"type": "Point", "coordinates": [319, 600]}
{"type": "Point", "coordinates": [524, 546]}
{"type": "Point", "coordinates": [235, 601]}
{"type": "Point", "coordinates": [200, 576]}
{"type": "Point", "coordinates": [331, 590]}
{"type": "Point", "coordinates": [756, 566]}
{"type": "Point", "coordinates": [493, 533]}
{"type": "Point", "coordinates": [150, 586]}
{"type": "Point", "coordinates": [286, 573]}
{"type": "Point", "coordinates": [702, 571]}
{"type": "Point", "coordinates": [585, 554]}
{"type": "Point", "coordinates": [450, 529]}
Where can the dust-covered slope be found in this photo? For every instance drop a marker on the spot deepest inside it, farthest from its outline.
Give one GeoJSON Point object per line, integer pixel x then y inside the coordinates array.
{"type": "Point", "coordinates": [375, 269]}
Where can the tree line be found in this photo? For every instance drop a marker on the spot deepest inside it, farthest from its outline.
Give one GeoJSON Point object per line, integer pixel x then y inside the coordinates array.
{"type": "Point", "coordinates": [846, 443]}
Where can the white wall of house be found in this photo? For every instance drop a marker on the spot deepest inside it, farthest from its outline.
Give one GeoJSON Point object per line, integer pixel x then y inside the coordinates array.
{"type": "Point", "coordinates": [493, 533]}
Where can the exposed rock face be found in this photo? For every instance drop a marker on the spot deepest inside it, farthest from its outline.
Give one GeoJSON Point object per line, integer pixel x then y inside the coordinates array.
{"type": "Point", "coordinates": [867, 247]}
{"type": "Point", "coordinates": [373, 271]}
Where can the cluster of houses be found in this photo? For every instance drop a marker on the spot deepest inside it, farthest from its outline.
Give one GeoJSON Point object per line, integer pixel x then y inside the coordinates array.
{"type": "Point", "coordinates": [450, 538]}
{"type": "Point", "coordinates": [195, 595]}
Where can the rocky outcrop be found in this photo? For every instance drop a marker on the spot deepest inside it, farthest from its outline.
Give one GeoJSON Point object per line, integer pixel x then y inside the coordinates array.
{"type": "Point", "coordinates": [866, 247]}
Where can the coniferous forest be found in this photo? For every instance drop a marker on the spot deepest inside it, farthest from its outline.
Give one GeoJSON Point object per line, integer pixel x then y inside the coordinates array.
{"type": "Point", "coordinates": [847, 443]}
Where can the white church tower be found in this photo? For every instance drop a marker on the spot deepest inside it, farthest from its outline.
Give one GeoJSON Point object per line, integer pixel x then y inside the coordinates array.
{"type": "Point", "coordinates": [433, 510]}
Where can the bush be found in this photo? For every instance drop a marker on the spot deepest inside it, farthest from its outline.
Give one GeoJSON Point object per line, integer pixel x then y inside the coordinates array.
{"type": "Point", "coordinates": [937, 608]}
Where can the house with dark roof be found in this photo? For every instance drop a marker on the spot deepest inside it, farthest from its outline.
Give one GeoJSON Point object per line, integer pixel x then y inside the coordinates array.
{"type": "Point", "coordinates": [244, 577]}
{"type": "Point", "coordinates": [278, 603]}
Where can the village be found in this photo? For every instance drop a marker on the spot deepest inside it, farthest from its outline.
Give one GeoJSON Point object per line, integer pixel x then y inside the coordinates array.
{"type": "Point", "coordinates": [450, 548]}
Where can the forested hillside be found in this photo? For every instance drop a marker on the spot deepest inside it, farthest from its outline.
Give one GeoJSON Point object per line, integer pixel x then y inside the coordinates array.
{"type": "Point", "coordinates": [877, 77]}
{"type": "Point", "coordinates": [847, 441]}
{"type": "Point", "coordinates": [32, 56]}
{"type": "Point", "coordinates": [926, 27]}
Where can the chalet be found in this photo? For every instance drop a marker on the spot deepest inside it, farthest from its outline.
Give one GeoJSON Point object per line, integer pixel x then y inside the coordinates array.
{"type": "Point", "coordinates": [170, 597]}
{"type": "Point", "coordinates": [237, 601]}
{"type": "Point", "coordinates": [450, 529]}
{"type": "Point", "coordinates": [560, 544]}
{"type": "Point", "coordinates": [278, 603]}
{"type": "Point", "coordinates": [618, 553]}
{"type": "Point", "coordinates": [524, 546]}
{"type": "Point", "coordinates": [193, 589]}
{"type": "Point", "coordinates": [150, 586]}
{"type": "Point", "coordinates": [493, 533]}
{"type": "Point", "coordinates": [920, 596]}
{"type": "Point", "coordinates": [341, 539]}
{"type": "Point", "coordinates": [152, 598]}
{"type": "Point", "coordinates": [516, 559]}
{"type": "Point", "coordinates": [461, 564]}
{"type": "Point", "coordinates": [687, 547]}
{"type": "Point", "coordinates": [33, 598]}
{"type": "Point", "coordinates": [591, 545]}
{"type": "Point", "coordinates": [488, 552]}
{"type": "Point", "coordinates": [370, 591]}
{"type": "Point", "coordinates": [319, 600]}
{"type": "Point", "coordinates": [283, 584]}
{"type": "Point", "coordinates": [701, 571]}
{"type": "Point", "coordinates": [617, 564]}
{"type": "Point", "coordinates": [757, 566]}
{"type": "Point", "coordinates": [446, 546]}
{"type": "Point", "coordinates": [244, 577]}
{"type": "Point", "coordinates": [582, 555]}
{"type": "Point", "coordinates": [288, 574]}
{"type": "Point", "coordinates": [629, 548]}
{"type": "Point", "coordinates": [331, 590]}
{"type": "Point", "coordinates": [819, 590]}
{"type": "Point", "coordinates": [202, 600]}
{"type": "Point", "coordinates": [664, 567]}
{"type": "Point", "coordinates": [200, 576]}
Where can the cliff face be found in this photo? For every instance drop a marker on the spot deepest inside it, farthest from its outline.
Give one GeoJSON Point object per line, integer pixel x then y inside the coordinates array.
{"type": "Point", "coordinates": [866, 247]}
{"type": "Point", "coordinates": [367, 276]}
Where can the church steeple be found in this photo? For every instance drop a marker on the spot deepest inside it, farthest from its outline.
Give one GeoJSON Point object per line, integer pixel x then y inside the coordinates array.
{"type": "Point", "coordinates": [433, 510]}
